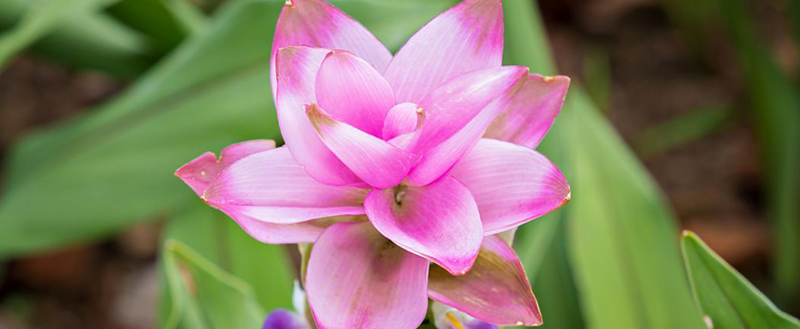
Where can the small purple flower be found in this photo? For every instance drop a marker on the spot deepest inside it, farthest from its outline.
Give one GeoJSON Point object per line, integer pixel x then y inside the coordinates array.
{"type": "Point", "coordinates": [396, 162]}
{"type": "Point", "coordinates": [283, 319]}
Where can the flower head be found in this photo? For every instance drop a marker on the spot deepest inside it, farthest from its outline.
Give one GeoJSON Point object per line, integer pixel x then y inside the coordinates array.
{"type": "Point", "coordinates": [393, 162]}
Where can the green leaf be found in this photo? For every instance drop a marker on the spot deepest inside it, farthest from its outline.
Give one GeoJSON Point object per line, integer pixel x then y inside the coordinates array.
{"type": "Point", "coordinates": [87, 41]}
{"type": "Point", "coordinates": [266, 268]}
{"type": "Point", "coordinates": [541, 246]}
{"type": "Point", "coordinates": [620, 234]}
{"type": "Point", "coordinates": [775, 104]}
{"type": "Point", "coordinates": [201, 295]}
{"type": "Point", "coordinates": [725, 296]}
{"type": "Point", "coordinates": [166, 22]}
{"type": "Point", "coordinates": [40, 18]}
{"type": "Point", "coordinates": [683, 129]}
{"type": "Point", "coordinates": [113, 167]}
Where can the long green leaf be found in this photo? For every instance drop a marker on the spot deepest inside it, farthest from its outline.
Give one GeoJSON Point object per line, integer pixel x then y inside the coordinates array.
{"type": "Point", "coordinates": [87, 41]}
{"type": "Point", "coordinates": [775, 102]}
{"type": "Point", "coordinates": [727, 298]}
{"type": "Point", "coordinates": [201, 295]}
{"type": "Point", "coordinates": [41, 18]}
{"type": "Point", "coordinates": [166, 22]}
{"type": "Point", "coordinates": [620, 233]}
{"type": "Point", "coordinates": [102, 172]}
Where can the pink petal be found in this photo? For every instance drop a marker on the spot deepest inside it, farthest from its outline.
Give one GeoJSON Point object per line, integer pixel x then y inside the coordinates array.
{"type": "Point", "coordinates": [495, 290]}
{"type": "Point", "coordinates": [297, 74]}
{"type": "Point", "coordinates": [305, 232]}
{"type": "Point", "coordinates": [375, 161]}
{"type": "Point", "coordinates": [272, 187]}
{"type": "Point", "coordinates": [357, 279]}
{"type": "Point", "coordinates": [439, 222]}
{"type": "Point", "coordinates": [531, 112]}
{"type": "Point", "coordinates": [512, 184]}
{"type": "Point", "coordinates": [199, 172]}
{"type": "Point", "coordinates": [465, 38]}
{"type": "Point", "coordinates": [315, 23]}
{"type": "Point", "coordinates": [449, 108]}
{"type": "Point", "coordinates": [352, 91]}
{"type": "Point", "coordinates": [403, 118]}
{"type": "Point", "coordinates": [437, 161]}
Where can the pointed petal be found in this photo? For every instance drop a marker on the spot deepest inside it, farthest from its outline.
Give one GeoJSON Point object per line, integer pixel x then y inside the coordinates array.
{"type": "Point", "coordinates": [465, 38]}
{"type": "Point", "coordinates": [449, 108]}
{"type": "Point", "coordinates": [272, 187]}
{"type": "Point", "coordinates": [315, 23]}
{"type": "Point", "coordinates": [512, 184]}
{"type": "Point", "coordinates": [297, 74]}
{"type": "Point", "coordinates": [531, 113]}
{"type": "Point", "coordinates": [375, 161]}
{"type": "Point", "coordinates": [439, 222]}
{"type": "Point", "coordinates": [495, 290]}
{"type": "Point", "coordinates": [438, 160]}
{"type": "Point", "coordinates": [283, 319]}
{"type": "Point", "coordinates": [199, 172]}
{"type": "Point", "coordinates": [358, 279]}
{"type": "Point", "coordinates": [349, 89]}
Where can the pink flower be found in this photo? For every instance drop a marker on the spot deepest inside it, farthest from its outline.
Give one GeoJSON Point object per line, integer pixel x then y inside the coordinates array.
{"type": "Point", "coordinates": [393, 162]}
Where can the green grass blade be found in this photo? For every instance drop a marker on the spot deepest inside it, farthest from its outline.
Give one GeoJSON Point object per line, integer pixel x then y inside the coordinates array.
{"type": "Point", "coordinates": [726, 297]}
{"type": "Point", "coordinates": [204, 296]}
{"type": "Point", "coordinates": [266, 268]}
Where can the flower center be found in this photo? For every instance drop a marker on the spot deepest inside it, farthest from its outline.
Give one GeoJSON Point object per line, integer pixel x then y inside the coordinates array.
{"type": "Point", "coordinates": [399, 194]}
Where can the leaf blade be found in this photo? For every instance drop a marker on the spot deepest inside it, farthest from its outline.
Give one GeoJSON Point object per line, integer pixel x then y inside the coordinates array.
{"type": "Point", "coordinates": [729, 300]}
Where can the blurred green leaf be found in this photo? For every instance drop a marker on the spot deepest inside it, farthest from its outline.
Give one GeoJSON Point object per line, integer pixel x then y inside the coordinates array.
{"type": "Point", "coordinates": [39, 19]}
{"type": "Point", "coordinates": [777, 115]}
{"type": "Point", "coordinates": [167, 22]}
{"type": "Point", "coordinates": [683, 129]}
{"type": "Point", "coordinates": [114, 166]}
{"type": "Point", "coordinates": [266, 268]}
{"type": "Point", "coordinates": [541, 246]}
{"type": "Point", "coordinates": [727, 298]}
{"type": "Point", "coordinates": [620, 234]}
{"type": "Point", "coordinates": [88, 41]}
{"type": "Point", "coordinates": [597, 77]}
{"type": "Point", "coordinates": [201, 295]}
{"type": "Point", "coordinates": [776, 112]}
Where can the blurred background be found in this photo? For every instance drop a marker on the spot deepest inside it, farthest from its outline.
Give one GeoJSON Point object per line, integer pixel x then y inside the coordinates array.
{"type": "Point", "coordinates": [684, 114]}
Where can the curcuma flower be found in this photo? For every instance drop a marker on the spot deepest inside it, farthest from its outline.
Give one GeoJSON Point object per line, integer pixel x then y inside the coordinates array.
{"type": "Point", "coordinates": [393, 162]}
